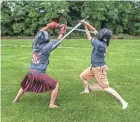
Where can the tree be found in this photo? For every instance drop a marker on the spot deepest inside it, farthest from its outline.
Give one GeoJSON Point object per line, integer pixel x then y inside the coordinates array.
{"type": "Point", "coordinates": [6, 19]}
{"type": "Point", "coordinates": [116, 15]}
{"type": "Point", "coordinates": [27, 17]}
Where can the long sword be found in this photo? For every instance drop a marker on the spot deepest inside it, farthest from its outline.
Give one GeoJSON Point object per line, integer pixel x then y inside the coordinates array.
{"type": "Point", "coordinates": [69, 33]}
{"type": "Point", "coordinates": [81, 30]}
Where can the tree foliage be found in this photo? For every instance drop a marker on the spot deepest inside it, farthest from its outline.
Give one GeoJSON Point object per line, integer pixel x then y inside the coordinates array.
{"type": "Point", "coordinates": [27, 17]}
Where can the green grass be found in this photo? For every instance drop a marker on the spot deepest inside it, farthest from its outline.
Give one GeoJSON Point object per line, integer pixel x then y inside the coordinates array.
{"type": "Point", "coordinates": [66, 64]}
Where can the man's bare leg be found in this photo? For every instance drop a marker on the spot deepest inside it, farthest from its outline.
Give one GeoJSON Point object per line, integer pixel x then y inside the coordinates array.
{"type": "Point", "coordinates": [114, 93]}
{"type": "Point", "coordinates": [53, 97]}
{"type": "Point", "coordinates": [95, 87]}
{"type": "Point", "coordinates": [85, 84]}
{"type": "Point", "coordinates": [20, 93]}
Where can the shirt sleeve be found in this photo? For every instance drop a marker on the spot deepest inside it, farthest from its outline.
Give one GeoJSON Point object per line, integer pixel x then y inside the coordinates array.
{"type": "Point", "coordinates": [50, 46]}
{"type": "Point", "coordinates": [54, 46]}
{"type": "Point", "coordinates": [94, 43]}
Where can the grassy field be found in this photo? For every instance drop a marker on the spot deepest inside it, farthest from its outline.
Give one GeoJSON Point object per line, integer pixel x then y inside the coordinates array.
{"type": "Point", "coordinates": [66, 64]}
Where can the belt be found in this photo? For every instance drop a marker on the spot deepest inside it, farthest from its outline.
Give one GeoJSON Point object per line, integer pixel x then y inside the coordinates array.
{"type": "Point", "coordinates": [35, 71]}
{"type": "Point", "coordinates": [100, 67]}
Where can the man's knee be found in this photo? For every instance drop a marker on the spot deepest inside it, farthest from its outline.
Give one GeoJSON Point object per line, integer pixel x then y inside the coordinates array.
{"type": "Point", "coordinates": [57, 85]}
{"type": "Point", "coordinates": [81, 76]}
{"type": "Point", "coordinates": [104, 85]}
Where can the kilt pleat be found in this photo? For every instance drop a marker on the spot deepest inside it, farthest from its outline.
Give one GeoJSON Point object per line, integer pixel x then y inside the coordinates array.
{"type": "Point", "coordinates": [38, 83]}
